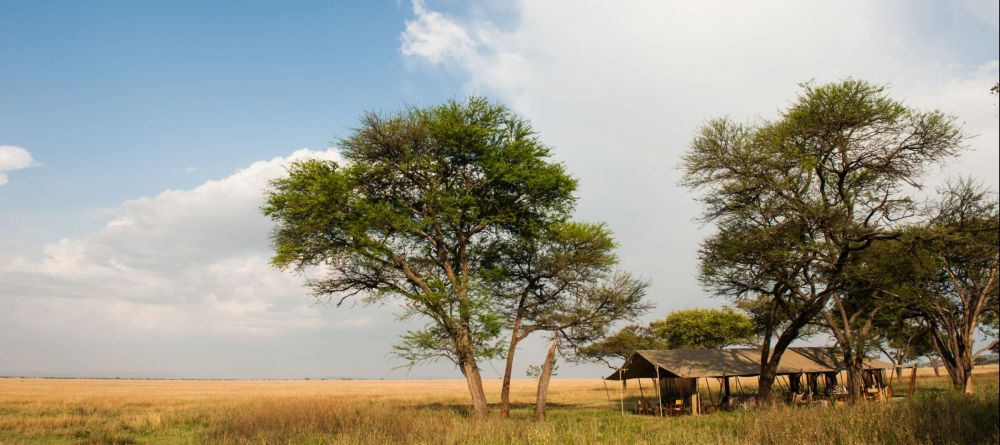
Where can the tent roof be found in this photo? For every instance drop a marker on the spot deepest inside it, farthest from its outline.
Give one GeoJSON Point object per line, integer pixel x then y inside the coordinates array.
{"type": "Point", "coordinates": [730, 362]}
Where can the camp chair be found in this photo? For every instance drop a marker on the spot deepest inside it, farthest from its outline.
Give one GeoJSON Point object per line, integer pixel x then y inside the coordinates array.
{"type": "Point", "coordinates": [797, 399]}
{"type": "Point", "coordinates": [677, 408]}
{"type": "Point", "coordinates": [871, 394]}
{"type": "Point", "coordinates": [644, 408]}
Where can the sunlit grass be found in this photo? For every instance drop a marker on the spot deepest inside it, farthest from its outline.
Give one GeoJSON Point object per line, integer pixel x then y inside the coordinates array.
{"type": "Point", "coordinates": [342, 412]}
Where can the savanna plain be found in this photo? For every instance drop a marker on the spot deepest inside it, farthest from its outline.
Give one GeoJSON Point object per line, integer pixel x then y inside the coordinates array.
{"type": "Point", "coordinates": [73, 411]}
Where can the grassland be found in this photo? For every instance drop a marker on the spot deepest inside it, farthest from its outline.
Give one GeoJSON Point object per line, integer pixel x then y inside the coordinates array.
{"type": "Point", "coordinates": [402, 412]}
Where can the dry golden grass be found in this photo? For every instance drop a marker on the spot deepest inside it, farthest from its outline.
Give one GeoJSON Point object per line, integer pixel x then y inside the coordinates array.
{"type": "Point", "coordinates": [435, 411]}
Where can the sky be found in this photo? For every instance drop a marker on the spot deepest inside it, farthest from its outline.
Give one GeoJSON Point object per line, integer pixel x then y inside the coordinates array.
{"type": "Point", "coordinates": [136, 139]}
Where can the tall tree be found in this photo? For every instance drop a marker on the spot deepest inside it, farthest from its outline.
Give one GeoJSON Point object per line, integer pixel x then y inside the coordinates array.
{"type": "Point", "coordinates": [422, 195]}
{"type": "Point", "coordinates": [793, 200]}
{"type": "Point", "coordinates": [963, 238]}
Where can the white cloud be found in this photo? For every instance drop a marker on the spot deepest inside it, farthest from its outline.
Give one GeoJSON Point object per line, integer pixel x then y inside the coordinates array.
{"type": "Point", "coordinates": [182, 262]}
{"type": "Point", "coordinates": [13, 158]}
{"type": "Point", "coordinates": [488, 55]}
{"type": "Point", "coordinates": [619, 88]}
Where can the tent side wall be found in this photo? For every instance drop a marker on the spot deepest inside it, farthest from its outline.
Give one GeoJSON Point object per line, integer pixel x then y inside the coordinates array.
{"type": "Point", "coordinates": [679, 388]}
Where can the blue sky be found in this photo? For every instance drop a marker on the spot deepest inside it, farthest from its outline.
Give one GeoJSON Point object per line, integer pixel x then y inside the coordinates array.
{"type": "Point", "coordinates": [132, 243]}
{"type": "Point", "coordinates": [117, 99]}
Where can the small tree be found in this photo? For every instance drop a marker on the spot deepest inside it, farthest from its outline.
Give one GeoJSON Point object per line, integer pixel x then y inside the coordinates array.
{"type": "Point", "coordinates": [704, 329]}
{"type": "Point", "coordinates": [577, 319]}
{"type": "Point", "coordinates": [618, 347]}
{"type": "Point", "coordinates": [423, 194]}
{"type": "Point", "coordinates": [902, 338]}
{"type": "Point", "coordinates": [559, 280]}
{"type": "Point", "coordinates": [683, 329]}
{"type": "Point", "coordinates": [962, 236]}
{"type": "Point", "coordinates": [879, 287]}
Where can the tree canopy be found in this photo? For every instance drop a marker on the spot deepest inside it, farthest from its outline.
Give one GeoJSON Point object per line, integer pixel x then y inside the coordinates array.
{"type": "Point", "coordinates": [793, 200]}
{"type": "Point", "coordinates": [560, 280]}
{"type": "Point", "coordinates": [704, 329]}
{"type": "Point", "coordinates": [682, 329]}
{"type": "Point", "coordinates": [411, 213]}
{"type": "Point", "coordinates": [963, 238]}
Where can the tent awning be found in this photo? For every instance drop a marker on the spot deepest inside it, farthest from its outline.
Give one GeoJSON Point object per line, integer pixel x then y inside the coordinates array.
{"type": "Point", "coordinates": [730, 362]}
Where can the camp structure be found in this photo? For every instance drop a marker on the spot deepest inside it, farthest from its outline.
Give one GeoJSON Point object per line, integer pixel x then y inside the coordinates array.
{"type": "Point", "coordinates": [676, 373]}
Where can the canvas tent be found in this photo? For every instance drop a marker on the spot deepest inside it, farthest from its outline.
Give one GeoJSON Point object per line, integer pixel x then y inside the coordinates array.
{"type": "Point", "coordinates": [678, 371]}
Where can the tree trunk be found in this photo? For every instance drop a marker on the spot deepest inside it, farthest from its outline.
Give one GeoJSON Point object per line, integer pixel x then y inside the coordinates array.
{"type": "Point", "coordinates": [968, 383]}
{"type": "Point", "coordinates": [936, 365]}
{"type": "Point", "coordinates": [467, 363]}
{"type": "Point", "coordinates": [855, 381]}
{"type": "Point", "coordinates": [767, 374]}
{"type": "Point", "coordinates": [543, 380]}
{"type": "Point", "coordinates": [967, 365]}
{"type": "Point", "coordinates": [961, 378]}
{"type": "Point", "coordinates": [766, 381]}
{"type": "Point", "coordinates": [508, 369]}
{"type": "Point", "coordinates": [479, 407]}
{"type": "Point", "coordinates": [769, 365]}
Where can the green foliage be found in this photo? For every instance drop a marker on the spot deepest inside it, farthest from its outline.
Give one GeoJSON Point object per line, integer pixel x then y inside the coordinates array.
{"type": "Point", "coordinates": [616, 348]}
{"type": "Point", "coordinates": [535, 371]}
{"type": "Point", "coordinates": [704, 329]}
{"type": "Point", "coordinates": [797, 200]}
{"type": "Point", "coordinates": [563, 280]}
{"type": "Point", "coordinates": [962, 238]}
{"type": "Point", "coordinates": [683, 329]}
{"type": "Point", "coordinates": [793, 199]}
{"type": "Point", "coordinates": [422, 195]}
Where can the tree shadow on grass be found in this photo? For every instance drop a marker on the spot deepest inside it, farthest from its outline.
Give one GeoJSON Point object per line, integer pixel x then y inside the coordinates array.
{"type": "Point", "coordinates": [465, 410]}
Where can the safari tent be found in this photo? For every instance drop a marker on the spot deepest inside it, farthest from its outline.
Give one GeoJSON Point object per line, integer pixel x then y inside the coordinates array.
{"type": "Point", "coordinates": [676, 373]}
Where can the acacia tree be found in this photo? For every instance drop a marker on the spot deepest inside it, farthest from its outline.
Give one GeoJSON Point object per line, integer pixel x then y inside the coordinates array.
{"type": "Point", "coordinates": [559, 280]}
{"type": "Point", "coordinates": [704, 329]}
{"type": "Point", "coordinates": [901, 339]}
{"type": "Point", "coordinates": [682, 329]}
{"type": "Point", "coordinates": [577, 319]}
{"type": "Point", "coordinates": [618, 347]}
{"type": "Point", "coordinates": [877, 290]}
{"type": "Point", "coordinates": [962, 237]}
{"type": "Point", "coordinates": [422, 195]}
{"type": "Point", "coordinates": [793, 200]}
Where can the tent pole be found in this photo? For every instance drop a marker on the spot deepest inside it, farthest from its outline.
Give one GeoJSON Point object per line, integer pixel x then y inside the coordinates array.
{"type": "Point", "coordinates": [621, 393]}
{"type": "Point", "coordinates": [659, 396]}
{"type": "Point", "coordinates": [656, 391]}
{"type": "Point", "coordinates": [708, 387]}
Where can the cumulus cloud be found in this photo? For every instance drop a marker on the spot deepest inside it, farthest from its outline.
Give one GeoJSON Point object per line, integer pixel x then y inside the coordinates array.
{"type": "Point", "coordinates": [619, 88]}
{"type": "Point", "coordinates": [13, 158]}
{"type": "Point", "coordinates": [479, 50]}
{"type": "Point", "coordinates": [183, 262]}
